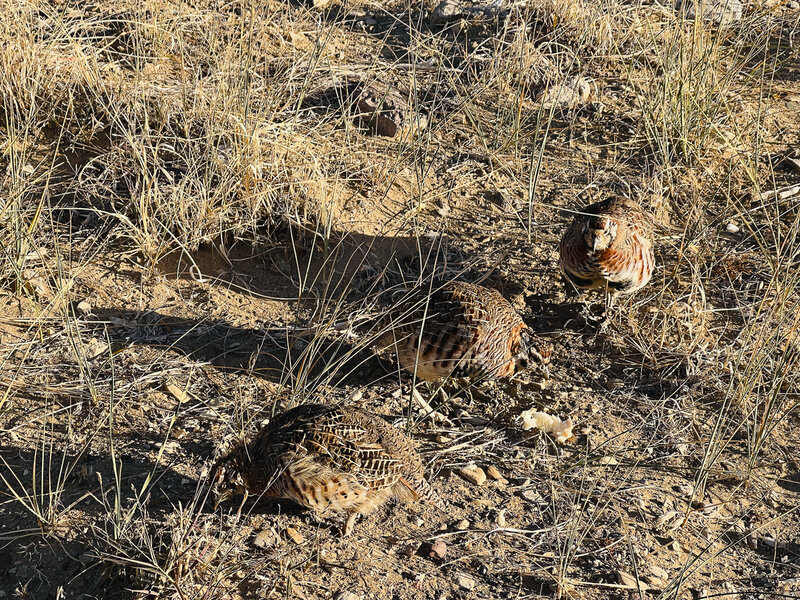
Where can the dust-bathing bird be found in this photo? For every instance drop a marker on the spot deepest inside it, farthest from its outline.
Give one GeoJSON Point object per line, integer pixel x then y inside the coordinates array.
{"type": "Point", "coordinates": [328, 459]}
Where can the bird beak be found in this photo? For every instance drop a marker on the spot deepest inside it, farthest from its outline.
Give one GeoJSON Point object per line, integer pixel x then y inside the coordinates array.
{"type": "Point", "coordinates": [223, 496]}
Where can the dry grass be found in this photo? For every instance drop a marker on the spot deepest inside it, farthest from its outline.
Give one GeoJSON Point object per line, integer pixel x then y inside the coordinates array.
{"type": "Point", "coordinates": [199, 227]}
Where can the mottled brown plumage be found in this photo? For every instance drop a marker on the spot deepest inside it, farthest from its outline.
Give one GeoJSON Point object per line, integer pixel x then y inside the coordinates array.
{"type": "Point", "coordinates": [330, 458]}
{"type": "Point", "coordinates": [464, 330]}
{"type": "Point", "coordinates": [609, 246]}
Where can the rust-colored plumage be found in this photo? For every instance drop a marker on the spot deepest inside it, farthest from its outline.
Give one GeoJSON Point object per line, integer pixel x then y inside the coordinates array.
{"type": "Point", "coordinates": [330, 458]}
{"type": "Point", "coordinates": [609, 246]}
{"type": "Point", "coordinates": [464, 330]}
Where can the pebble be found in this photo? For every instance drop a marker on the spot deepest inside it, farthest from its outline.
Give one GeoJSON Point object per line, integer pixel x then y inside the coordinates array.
{"type": "Point", "coordinates": [264, 539]}
{"type": "Point", "coordinates": [418, 522]}
{"type": "Point", "coordinates": [294, 535]}
{"type": "Point", "coordinates": [465, 583]}
{"type": "Point", "coordinates": [530, 495]}
{"type": "Point", "coordinates": [732, 228]}
{"type": "Point", "coordinates": [570, 93]}
{"type": "Point", "coordinates": [473, 474]}
{"type": "Point", "coordinates": [84, 307]}
{"type": "Point", "coordinates": [629, 581]}
{"type": "Point", "coordinates": [346, 595]}
{"type": "Point", "coordinates": [655, 583]}
{"type": "Point", "coordinates": [474, 421]}
{"type": "Point", "coordinates": [781, 194]}
{"type": "Point", "coordinates": [356, 397]}
{"type": "Point", "coordinates": [659, 572]}
{"type": "Point", "coordinates": [494, 473]}
{"type": "Point", "coordinates": [445, 11]}
{"type": "Point", "coordinates": [500, 519]}
{"type": "Point", "coordinates": [462, 525]}
{"type": "Point", "coordinates": [438, 550]}
{"type": "Point", "coordinates": [770, 542]}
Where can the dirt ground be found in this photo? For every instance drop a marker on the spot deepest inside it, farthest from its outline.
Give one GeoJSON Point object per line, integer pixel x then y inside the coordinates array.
{"type": "Point", "coordinates": [125, 374]}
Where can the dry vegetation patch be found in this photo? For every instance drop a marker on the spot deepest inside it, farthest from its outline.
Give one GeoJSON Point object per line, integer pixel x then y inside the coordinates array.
{"type": "Point", "coordinates": [206, 207]}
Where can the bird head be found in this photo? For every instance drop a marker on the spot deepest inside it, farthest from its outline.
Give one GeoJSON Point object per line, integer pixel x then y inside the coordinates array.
{"type": "Point", "coordinates": [533, 353]}
{"type": "Point", "coordinates": [227, 479]}
{"type": "Point", "coordinates": [599, 233]}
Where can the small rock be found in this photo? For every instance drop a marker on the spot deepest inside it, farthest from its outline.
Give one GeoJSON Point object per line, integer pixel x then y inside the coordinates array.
{"type": "Point", "coordinates": [294, 535]}
{"type": "Point", "coordinates": [530, 496]}
{"type": "Point", "coordinates": [659, 572]}
{"type": "Point", "coordinates": [473, 474]}
{"type": "Point", "coordinates": [655, 583]}
{"type": "Point", "coordinates": [570, 93]}
{"type": "Point", "coordinates": [84, 307]}
{"type": "Point", "coordinates": [500, 519]}
{"type": "Point", "coordinates": [418, 521]}
{"type": "Point", "coordinates": [465, 583]}
{"type": "Point", "coordinates": [438, 550]}
{"type": "Point", "coordinates": [615, 384]}
{"type": "Point", "coordinates": [676, 546]}
{"type": "Point", "coordinates": [446, 10]}
{"type": "Point", "coordinates": [781, 194]}
{"type": "Point", "coordinates": [475, 421]}
{"type": "Point", "coordinates": [732, 228]}
{"type": "Point", "coordinates": [462, 525]}
{"type": "Point", "coordinates": [629, 581]}
{"type": "Point", "coordinates": [345, 595]}
{"type": "Point", "coordinates": [264, 539]}
{"type": "Point", "coordinates": [772, 543]}
{"type": "Point", "coordinates": [356, 397]}
{"type": "Point", "coordinates": [494, 473]}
